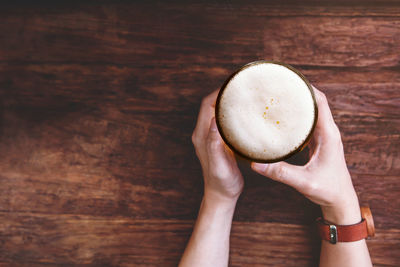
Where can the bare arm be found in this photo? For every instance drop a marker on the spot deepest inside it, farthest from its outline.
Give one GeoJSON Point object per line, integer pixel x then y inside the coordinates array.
{"type": "Point", "coordinates": [326, 181]}
{"type": "Point", "coordinates": [209, 243]}
{"type": "Point", "coordinates": [223, 183]}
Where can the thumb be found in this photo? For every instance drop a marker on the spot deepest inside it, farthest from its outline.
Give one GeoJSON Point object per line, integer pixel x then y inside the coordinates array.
{"type": "Point", "coordinates": [282, 172]}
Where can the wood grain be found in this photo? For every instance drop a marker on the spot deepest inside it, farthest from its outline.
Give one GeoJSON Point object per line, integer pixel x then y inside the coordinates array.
{"type": "Point", "coordinates": [129, 36]}
{"type": "Point", "coordinates": [103, 241]}
{"type": "Point", "coordinates": [98, 102]}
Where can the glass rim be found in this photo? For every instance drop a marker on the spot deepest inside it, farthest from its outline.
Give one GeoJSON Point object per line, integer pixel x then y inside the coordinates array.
{"type": "Point", "coordinates": [291, 153]}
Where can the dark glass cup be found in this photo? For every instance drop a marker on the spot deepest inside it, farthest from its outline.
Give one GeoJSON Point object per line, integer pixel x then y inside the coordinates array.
{"type": "Point", "coordinates": [260, 160]}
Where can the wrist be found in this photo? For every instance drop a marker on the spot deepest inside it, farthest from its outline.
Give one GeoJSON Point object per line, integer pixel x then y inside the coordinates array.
{"type": "Point", "coordinates": [345, 213]}
{"type": "Point", "coordinates": [342, 216]}
{"type": "Point", "coordinates": [213, 200]}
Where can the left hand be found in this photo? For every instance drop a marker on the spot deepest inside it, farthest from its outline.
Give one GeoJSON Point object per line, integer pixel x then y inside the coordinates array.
{"type": "Point", "coordinates": [325, 179]}
{"type": "Point", "coordinates": [222, 178]}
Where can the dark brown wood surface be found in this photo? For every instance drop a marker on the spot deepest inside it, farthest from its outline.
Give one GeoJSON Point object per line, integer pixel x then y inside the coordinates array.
{"type": "Point", "coordinates": [98, 103]}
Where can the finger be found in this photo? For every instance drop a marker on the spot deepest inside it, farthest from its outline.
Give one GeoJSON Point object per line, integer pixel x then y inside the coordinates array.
{"type": "Point", "coordinates": [219, 159]}
{"type": "Point", "coordinates": [211, 98]}
{"type": "Point", "coordinates": [325, 127]}
{"type": "Point", "coordinates": [207, 111]}
{"type": "Point", "coordinates": [282, 172]}
{"type": "Point", "coordinates": [323, 107]}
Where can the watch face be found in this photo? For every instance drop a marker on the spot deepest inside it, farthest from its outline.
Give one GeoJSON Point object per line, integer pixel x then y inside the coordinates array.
{"type": "Point", "coordinates": [366, 214]}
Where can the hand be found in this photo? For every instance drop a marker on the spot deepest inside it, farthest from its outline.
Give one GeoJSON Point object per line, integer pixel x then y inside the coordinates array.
{"type": "Point", "coordinates": [325, 179]}
{"type": "Point", "coordinates": [222, 178]}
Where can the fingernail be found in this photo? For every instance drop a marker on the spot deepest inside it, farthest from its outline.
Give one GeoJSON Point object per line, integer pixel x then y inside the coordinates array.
{"type": "Point", "coordinates": [258, 166]}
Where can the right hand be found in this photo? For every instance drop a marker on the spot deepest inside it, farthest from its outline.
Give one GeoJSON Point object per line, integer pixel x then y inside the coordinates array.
{"type": "Point", "coordinates": [325, 179]}
{"type": "Point", "coordinates": [223, 181]}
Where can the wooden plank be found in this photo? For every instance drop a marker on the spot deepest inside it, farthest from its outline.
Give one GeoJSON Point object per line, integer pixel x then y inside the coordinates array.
{"type": "Point", "coordinates": [171, 193]}
{"type": "Point", "coordinates": [193, 35]}
{"type": "Point", "coordinates": [365, 106]}
{"type": "Point", "coordinates": [355, 8]}
{"type": "Point", "coordinates": [372, 90]}
{"type": "Point", "coordinates": [305, 8]}
{"type": "Point", "coordinates": [98, 151]}
{"type": "Point", "coordinates": [31, 238]}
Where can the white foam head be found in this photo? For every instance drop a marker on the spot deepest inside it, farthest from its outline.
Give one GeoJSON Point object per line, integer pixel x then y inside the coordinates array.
{"type": "Point", "coordinates": [266, 111]}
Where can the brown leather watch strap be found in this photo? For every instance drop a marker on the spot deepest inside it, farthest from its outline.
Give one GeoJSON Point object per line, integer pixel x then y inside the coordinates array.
{"type": "Point", "coordinates": [347, 233]}
{"type": "Point", "coordinates": [342, 233]}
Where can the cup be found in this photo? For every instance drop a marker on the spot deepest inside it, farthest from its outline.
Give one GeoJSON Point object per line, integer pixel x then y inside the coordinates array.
{"type": "Point", "coordinates": [266, 111]}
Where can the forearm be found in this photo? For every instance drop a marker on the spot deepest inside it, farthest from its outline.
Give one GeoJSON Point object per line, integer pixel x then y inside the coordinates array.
{"type": "Point", "coordinates": [344, 254]}
{"type": "Point", "coordinates": [209, 243]}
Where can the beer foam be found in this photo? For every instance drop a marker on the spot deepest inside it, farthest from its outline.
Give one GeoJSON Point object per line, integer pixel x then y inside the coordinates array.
{"type": "Point", "coordinates": [266, 111]}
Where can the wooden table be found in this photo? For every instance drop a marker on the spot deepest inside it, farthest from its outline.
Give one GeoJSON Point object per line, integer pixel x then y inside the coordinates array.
{"type": "Point", "coordinates": [98, 103]}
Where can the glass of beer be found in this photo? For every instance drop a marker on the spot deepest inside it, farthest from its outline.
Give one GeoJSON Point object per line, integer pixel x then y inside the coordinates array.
{"type": "Point", "coordinates": [266, 111]}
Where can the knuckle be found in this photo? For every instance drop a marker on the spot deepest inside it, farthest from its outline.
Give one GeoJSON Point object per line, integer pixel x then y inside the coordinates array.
{"type": "Point", "coordinates": [334, 133]}
{"type": "Point", "coordinates": [213, 144]}
{"type": "Point", "coordinates": [195, 139]}
{"type": "Point", "coordinates": [280, 172]}
{"type": "Point", "coordinates": [323, 97]}
{"type": "Point", "coordinates": [221, 173]}
{"type": "Point", "coordinates": [311, 187]}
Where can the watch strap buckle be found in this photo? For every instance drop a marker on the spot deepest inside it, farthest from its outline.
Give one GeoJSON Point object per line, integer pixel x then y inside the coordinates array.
{"type": "Point", "coordinates": [333, 234]}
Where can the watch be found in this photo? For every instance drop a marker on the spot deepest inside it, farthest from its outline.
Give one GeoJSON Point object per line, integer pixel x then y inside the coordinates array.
{"type": "Point", "coordinates": [347, 233]}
